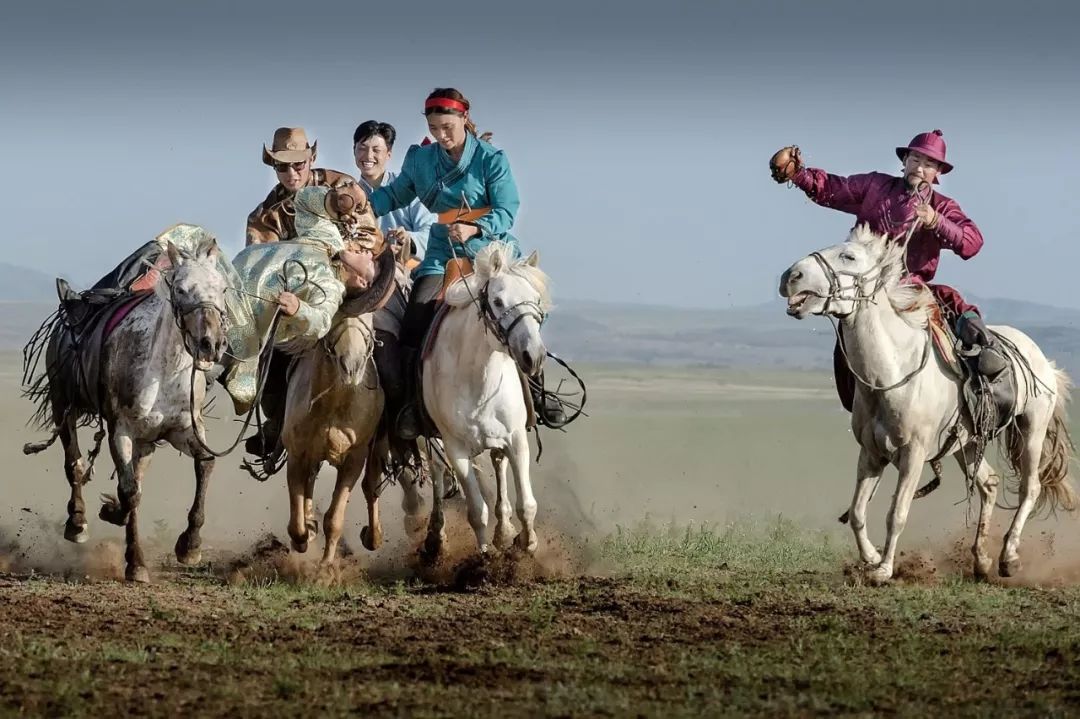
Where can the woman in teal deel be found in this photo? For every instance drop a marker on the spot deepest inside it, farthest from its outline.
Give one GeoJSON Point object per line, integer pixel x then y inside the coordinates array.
{"type": "Point", "coordinates": [465, 181]}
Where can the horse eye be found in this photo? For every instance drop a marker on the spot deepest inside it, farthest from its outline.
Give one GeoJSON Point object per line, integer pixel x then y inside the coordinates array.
{"type": "Point", "coordinates": [847, 257]}
{"type": "Point", "coordinates": [497, 302]}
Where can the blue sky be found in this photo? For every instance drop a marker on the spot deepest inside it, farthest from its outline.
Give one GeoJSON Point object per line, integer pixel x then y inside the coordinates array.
{"type": "Point", "coordinates": [639, 136]}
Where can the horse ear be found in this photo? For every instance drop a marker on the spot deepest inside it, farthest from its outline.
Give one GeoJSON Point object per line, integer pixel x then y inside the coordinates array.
{"type": "Point", "coordinates": [175, 258]}
{"type": "Point", "coordinates": [496, 263]}
{"type": "Point", "coordinates": [533, 260]}
{"type": "Point", "coordinates": [211, 250]}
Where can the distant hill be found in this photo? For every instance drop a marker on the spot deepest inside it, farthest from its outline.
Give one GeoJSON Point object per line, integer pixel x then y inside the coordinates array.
{"type": "Point", "coordinates": [760, 336]}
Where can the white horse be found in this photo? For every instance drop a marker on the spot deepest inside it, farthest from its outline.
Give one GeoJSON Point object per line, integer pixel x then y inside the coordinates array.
{"type": "Point", "coordinates": [473, 390]}
{"type": "Point", "coordinates": [148, 382]}
{"type": "Point", "coordinates": [907, 400]}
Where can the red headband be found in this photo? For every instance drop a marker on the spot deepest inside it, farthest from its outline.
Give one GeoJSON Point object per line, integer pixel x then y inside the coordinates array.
{"type": "Point", "coordinates": [446, 104]}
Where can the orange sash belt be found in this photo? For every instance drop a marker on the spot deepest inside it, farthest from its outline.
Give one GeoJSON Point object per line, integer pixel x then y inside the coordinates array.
{"type": "Point", "coordinates": [449, 217]}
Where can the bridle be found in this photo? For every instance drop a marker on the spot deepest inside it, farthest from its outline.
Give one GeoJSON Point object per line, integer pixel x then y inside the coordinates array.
{"type": "Point", "coordinates": [503, 323]}
{"type": "Point", "coordinates": [181, 311]}
{"type": "Point", "coordinates": [875, 275]}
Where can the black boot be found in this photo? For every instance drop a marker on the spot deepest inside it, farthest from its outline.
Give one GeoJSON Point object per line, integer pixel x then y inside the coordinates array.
{"type": "Point", "coordinates": [549, 410]}
{"type": "Point", "coordinates": [409, 426]}
{"type": "Point", "coordinates": [981, 347]}
{"type": "Point", "coordinates": [268, 441]}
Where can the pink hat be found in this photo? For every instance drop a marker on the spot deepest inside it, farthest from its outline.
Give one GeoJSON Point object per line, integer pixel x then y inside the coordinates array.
{"type": "Point", "coordinates": [931, 144]}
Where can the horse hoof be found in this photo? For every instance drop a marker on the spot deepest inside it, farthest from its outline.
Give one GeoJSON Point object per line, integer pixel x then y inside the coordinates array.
{"type": "Point", "coordinates": [370, 540]}
{"type": "Point", "coordinates": [139, 575]}
{"type": "Point", "coordinates": [982, 569]}
{"type": "Point", "coordinates": [879, 576]}
{"type": "Point", "coordinates": [1009, 567]}
{"type": "Point", "coordinates": [300, 545]}
{"type": "Point", "coordinates": [430, 551]}
{"type": "Point", "coordinates": [504, 538]}
{"type": "Point", "coordinates": [525, 544]}
{"type": "Point", "coordinates": [185, 553]}
{"type": "Point", "coordinates": [77, 533]}
{"type": "Point", "coordinates": [112, 512]}
{"type": "Point", "coordinates": [191, 559]}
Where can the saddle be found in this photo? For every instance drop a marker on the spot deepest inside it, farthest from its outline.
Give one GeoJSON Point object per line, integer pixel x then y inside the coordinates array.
{"type": "Point", "coordinates": [86, 320]}
{"type": "Point", "coordinates": [989, 403]}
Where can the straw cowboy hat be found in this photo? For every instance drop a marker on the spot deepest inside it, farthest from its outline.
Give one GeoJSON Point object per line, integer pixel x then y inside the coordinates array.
{"type": "Point", "coordinates": [290, 145]}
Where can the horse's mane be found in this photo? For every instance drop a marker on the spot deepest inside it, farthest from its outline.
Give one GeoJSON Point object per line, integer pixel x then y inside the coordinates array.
{"type": "Point", "coordinates": [493, 260]}
{"type": "Point", "coordinates": [912, 301]}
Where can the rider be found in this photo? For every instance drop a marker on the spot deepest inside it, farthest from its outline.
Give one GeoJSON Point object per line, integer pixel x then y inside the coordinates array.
{"type": "Point", "coordinates": [291, 157]}
{"type": "Point", "coordinates": [332, 260]}
{"type": "Point", "coordinates": [468, 183]}
{"type": "Point", "coordinates": [406, 230]}
{"type": "Point", "coordinates": [896, 206]}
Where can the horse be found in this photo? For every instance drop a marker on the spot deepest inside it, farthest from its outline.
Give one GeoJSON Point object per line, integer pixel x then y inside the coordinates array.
{"type": "Point", "coordinates": [152, 386]}
{"type": "Point", "coordinates": [473, 389]}
{"type": "Point", "coordinates": [332, 414]}
{"type": "Point", "coordinates": [908, 403]}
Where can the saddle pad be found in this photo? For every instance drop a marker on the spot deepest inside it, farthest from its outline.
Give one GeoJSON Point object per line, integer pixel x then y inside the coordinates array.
{"type": "Point", "coordinates": [944, 342]}
{"type": "Point", "coordinates": [433, 331]}
{"type": "Point", "coordinates": [121, 312]}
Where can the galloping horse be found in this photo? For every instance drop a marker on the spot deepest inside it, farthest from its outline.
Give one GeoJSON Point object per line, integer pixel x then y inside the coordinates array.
{"type": "Point", "coordinates": [152, 388]}
{"type": "Point", "coordinates": [908, 402]}
{"type": "Point", "coordinates": [473, 389]}
{"type": "Point", "coordinates": [332, 414]}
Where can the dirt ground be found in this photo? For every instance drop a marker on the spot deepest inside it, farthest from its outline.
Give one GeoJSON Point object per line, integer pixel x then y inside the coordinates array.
{"type": "Point", "coordinates": [646, 598]}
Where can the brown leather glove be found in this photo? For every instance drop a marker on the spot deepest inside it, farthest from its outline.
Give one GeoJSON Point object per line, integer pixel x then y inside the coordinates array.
{"type": "Point", "coordinates": [785, 163]}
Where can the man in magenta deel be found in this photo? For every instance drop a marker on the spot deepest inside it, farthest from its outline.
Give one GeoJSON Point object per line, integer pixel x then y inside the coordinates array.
{"type": "Point", "coordinates": [892, 205]}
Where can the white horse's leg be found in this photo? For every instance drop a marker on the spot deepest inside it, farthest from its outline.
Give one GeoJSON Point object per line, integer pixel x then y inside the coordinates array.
{"type": "Point", "coordinates": [911, 464]}
{"type": "Point", "coordinates": [987, 484]}
{"type": "Point", "coordinates": [526, 502]}
{"type": "Point", "coordinates": [504, 529]}
{"type": "Point", "coordinates": [1030, 488]}
{"type": "Point", "coordinates": [131, 459]}
{"type": "Point", "coordinates": [474, 498]}
{"type": "Point", "coordinates": [867, 477]}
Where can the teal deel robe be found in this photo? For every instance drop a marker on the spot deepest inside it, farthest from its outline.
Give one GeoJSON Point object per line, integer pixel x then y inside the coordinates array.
{"type": "Point", "coordinates": [482, 175]}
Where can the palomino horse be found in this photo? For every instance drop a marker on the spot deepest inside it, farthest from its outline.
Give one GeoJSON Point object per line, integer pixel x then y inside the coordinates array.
{"type": "Point", "coordinates": [333, 408]}
{"type": "Point", "coordinates": [151, 392]}
{"type": "Point", "coordinates": [907, 409]}
{"type": "Point", "coordinates": [473, 391]}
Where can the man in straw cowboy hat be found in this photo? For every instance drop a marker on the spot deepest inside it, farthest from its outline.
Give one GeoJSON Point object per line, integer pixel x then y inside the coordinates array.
{"type": "Point", "coordinates": [905, 207]}
{"type": "Point", "coordinates": [292, 158]}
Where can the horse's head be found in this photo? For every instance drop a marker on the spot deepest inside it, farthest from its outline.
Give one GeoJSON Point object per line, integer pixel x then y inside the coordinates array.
{"type": "Point", "coordinates": [838, 280]}
{"type": "Point", "coordinates": [349, 343]}
{"type": "Point", "coordinates": [197, 295]}
{"type": "Point", "coordinates": [514, 302]}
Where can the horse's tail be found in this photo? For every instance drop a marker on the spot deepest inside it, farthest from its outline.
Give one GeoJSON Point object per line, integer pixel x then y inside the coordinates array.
{"type": "Point", "coordinates": [1057, 455]}
{"type": "Point", "coordinates": [36, 379]}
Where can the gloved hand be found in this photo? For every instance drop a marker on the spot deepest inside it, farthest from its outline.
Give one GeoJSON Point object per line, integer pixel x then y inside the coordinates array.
{"type": "Point", "coordinates": [785, 163]}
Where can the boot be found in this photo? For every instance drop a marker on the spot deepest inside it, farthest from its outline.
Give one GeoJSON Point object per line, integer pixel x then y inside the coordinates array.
{"type": "Point", "coordinates": [409, 426]}
{"type": "Point", "coordinates": [549, 410]}
{"type": "Point", "coordinates": [268, 441]}
{"type": "Point", "coordinates": [981, 347]}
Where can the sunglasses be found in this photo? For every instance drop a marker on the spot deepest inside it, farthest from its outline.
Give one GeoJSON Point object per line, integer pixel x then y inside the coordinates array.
{"type": "Point", "coordinates": [284, 166]}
